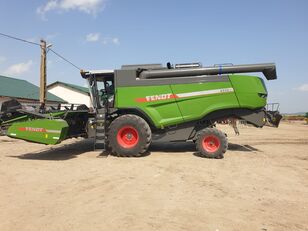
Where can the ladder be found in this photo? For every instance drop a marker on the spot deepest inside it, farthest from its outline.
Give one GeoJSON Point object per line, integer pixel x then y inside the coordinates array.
{"type": "Point", "coordinates": [100, 134]}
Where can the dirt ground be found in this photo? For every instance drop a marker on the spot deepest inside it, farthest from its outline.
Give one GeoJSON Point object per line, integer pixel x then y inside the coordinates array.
{"type": "Point", "coordinates": [261, 184]}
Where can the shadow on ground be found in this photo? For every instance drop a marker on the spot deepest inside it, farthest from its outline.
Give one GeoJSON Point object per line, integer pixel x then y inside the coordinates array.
{"type": "Point", "coordinates": [191, 147]}
{"type": "Point", "coordinates": [64, 152]}
{"type": "Point", "coordinates": [72, 150]}
{"type": "Point", "coordinates": [232, 147]}
{"type": "Point", "coordinates": [172, 147]}
{"type": "Point", "coordinates": [242, 148]}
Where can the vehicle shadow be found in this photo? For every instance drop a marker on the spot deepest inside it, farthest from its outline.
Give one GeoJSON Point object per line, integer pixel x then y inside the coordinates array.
{"type": "Point", "coordinates": [242, 148]}
{"type": "Point", "coordinates": [72, 150]}
{"type": "Point", "coordinates": [191, 147]}
{"type": "Point", "coordinates": [233, 147]}
{"type": "Point", "coordinates": [172, 147]}
{"type": "Point", "coordinates": [64, 152]}
{"type": "Point", "coordinates": [164, 147]}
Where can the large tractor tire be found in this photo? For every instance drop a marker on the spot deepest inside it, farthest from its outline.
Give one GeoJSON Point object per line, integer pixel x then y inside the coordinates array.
{"type": "Point", "coordinates": [129, 136]}
{"type": "Point", "coordinates": [211, 143]}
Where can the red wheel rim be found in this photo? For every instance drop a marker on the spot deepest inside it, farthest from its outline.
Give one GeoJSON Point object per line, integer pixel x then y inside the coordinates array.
{"type": "Point", "coordinates": [128, 137]}
{"type": "Point", "coordinates": [211, 143]}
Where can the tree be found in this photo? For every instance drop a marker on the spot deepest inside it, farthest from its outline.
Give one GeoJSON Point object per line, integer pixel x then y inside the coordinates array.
{"type": "Point", "coordinates": [306, 115]}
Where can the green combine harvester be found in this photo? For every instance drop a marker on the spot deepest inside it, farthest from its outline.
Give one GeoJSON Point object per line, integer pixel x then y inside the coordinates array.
{"type": "Point", "coordinates": [138, 104]}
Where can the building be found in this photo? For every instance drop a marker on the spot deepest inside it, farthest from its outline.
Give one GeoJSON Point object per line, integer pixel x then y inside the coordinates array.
{"type": "Point", "coordinates": [26, 93]}
{"type": "Point", "coordinates": [71, 93]}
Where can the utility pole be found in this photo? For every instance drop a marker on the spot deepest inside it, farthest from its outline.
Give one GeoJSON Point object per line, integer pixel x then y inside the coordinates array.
{"type": "Point", "coordinates": [43, 75]}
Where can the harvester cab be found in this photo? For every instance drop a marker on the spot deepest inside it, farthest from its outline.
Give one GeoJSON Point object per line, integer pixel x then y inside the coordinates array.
{"type": "Point", "coordinates": [102, 93]}
{"type": "Point", "coordinates": [101, 87]}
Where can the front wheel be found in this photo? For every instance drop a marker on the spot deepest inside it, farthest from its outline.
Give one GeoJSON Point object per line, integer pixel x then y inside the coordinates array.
{"type": "Point", "coordinates": [129, 136]}
{"type": "Point", "coordinates": [211, 143]}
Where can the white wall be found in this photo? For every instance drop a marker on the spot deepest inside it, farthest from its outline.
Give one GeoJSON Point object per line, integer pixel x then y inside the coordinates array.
{"type": "Point", "coordinates": [69, 95]}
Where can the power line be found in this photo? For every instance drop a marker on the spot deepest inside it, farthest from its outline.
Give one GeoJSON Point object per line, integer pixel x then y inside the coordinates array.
{"type": "Point", "coordinates": [19, 39]}
{"type": "Point", "coordinates": [66, 60]}
{"type": "Point", "coordinates": [33, 43]}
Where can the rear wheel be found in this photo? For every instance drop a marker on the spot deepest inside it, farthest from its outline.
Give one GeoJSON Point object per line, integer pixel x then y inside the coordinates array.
{"type": "Point", "coordinates": [129, 136]}
{"type": "Point", "coordinates": [211, 143]}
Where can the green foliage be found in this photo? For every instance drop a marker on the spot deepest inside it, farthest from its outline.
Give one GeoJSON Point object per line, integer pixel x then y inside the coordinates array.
{"type": "Point", "coordinates": [306, 115]}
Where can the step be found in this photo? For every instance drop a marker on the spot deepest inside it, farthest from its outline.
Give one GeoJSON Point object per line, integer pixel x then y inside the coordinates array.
{"type": "Point", "coordinates": [100, 141]}
{"type": "Point", "coordinates": [100, 130]}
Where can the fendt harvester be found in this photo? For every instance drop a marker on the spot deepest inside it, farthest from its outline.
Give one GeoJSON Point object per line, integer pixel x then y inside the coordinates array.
{"type": "Point", "coordinates": [138, 104]}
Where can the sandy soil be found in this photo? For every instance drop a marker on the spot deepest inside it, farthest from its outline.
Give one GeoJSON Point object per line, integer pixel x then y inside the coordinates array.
{"type": "Point", "coordinates": [261, 184]}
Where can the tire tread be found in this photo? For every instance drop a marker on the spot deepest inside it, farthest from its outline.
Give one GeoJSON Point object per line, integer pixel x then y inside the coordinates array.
{"type": "Point", "coordinates": [139, 122]}
{"type": "Point", "coordinates": [223, 142]}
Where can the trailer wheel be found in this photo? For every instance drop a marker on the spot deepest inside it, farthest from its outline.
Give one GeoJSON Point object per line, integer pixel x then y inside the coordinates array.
{"type": "Point", "coordinates": [211, 143]}
{"type": "Point", "coordinates": [129, 136]}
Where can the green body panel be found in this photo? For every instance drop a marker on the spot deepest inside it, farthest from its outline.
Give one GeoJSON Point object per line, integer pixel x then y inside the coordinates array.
{"type": "Point", "coordinates": [51, 130]}
{"type": "Point", "coordinates": [177, 103]}
{"type": "Point", "coordinates": [43, 131]}
{"type": "Point", "coordinates": [205, 100]}
{"type": "Point", "coordinates": [247, 90]}
{"type": "Point", "coordinates": [162, 113]}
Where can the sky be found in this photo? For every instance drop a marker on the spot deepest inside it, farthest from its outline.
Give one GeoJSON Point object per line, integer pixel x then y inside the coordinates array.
{"type": "Point", "coordinates": [105, 34]}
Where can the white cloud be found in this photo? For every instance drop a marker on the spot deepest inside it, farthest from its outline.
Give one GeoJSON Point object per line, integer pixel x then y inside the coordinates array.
{"type": "Point", "coordinates": [92, 37]}
{"type": "Point", "coordinates": [2, 59]}
{"type": "Point", "coordinates": [19, 68]}
{"type": "Point", "coordinates": [86, 6]}
{"type": "Point", "coordinates": [96, 37]}
{"type": "Point", "coordinates": [303, 87]}
{"type": "Point", "coordinates": [115, 40]}
{"type": "Point", "coordinates": [112, 40]}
